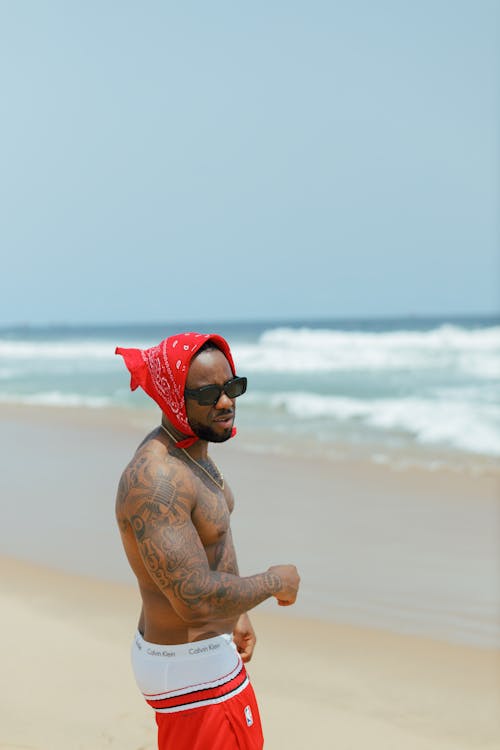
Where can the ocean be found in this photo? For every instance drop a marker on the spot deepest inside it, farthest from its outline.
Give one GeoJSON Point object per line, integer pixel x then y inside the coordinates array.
{"type": "Point", "coordinates": [398, 390]}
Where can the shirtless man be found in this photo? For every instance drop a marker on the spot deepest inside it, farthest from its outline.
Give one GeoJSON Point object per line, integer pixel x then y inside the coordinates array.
{"type": "Point", "coordinates": [173, 509]}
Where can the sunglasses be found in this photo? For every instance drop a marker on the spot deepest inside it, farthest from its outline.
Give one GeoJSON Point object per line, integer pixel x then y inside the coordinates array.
{"type": "Point", "coordinates": [208, 395]}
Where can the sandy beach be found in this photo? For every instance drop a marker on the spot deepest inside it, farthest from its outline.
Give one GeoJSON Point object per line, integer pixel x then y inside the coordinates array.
{"type": "Point", "coordinates": [68, 684]}
{"type": "Point", "coordinates": [393, 643]}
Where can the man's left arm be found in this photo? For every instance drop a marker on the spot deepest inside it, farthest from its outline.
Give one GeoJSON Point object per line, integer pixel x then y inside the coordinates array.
{"type": "Point", "coordinates": [243, 634]}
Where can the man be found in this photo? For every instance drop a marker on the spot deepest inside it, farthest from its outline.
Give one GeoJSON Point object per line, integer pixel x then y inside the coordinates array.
{"type": "Point", "coordinates": [173, 509]}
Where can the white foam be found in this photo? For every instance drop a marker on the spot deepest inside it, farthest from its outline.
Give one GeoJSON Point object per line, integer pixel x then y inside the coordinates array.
{"type": "Point", "coordinates": [65, 350]}
{"type": "Point", "coordinates": [304, 350]}
{"type": "Point", "coordinates": [56, 399]}
{"type": "Point", "coordinates": [471, 427]}
{"type": "Point", "coordinates": [313, 350]}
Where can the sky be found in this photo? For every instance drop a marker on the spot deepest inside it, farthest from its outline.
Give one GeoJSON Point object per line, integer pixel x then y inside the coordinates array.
{"type": "Point", "coordinates": [236, 161]}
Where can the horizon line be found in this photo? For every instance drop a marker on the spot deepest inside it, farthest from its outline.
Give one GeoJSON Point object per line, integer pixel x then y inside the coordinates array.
{"type": "Point", "coordinates": [252, 321]}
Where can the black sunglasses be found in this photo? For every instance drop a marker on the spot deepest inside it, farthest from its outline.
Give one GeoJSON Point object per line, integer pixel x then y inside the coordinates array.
{"type": "Point", "coordinates": [208, 395]}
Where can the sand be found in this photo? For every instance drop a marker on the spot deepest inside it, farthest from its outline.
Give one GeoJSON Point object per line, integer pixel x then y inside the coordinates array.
{"type": "Point", "coordinates": [67, 682]}
{"type": "Point", "coordinates": [321, 682]}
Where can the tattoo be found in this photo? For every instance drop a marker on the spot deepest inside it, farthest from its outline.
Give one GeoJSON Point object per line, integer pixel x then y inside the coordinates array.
{"type": "Point", "coordinates": [160, 499]}
{"type": "Point", "coordinates": [225, 556]}
{"type": "Point", "coordinates": [138, 526]}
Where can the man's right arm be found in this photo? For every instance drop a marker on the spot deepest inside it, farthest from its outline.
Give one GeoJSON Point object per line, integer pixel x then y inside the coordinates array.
{"type": "Point", "coordinates": [174, 556]}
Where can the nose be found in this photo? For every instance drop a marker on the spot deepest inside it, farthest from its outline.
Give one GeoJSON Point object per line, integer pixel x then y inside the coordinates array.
{"type": "Point", "coordinates": [224, 402]}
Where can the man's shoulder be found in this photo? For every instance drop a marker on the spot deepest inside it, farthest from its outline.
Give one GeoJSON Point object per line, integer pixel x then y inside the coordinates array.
{"type": "Point", "coordinates": [153, 471]}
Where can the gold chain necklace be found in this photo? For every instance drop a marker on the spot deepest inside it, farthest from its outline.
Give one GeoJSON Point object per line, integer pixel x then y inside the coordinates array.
{"type": "Point", "coordinates": [220, 484]}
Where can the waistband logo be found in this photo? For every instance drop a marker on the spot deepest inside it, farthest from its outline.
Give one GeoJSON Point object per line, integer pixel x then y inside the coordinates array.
{"type": "Point", "coordinates": [204, 649]}
{"type": "Point", "coordinates": [156, 652]}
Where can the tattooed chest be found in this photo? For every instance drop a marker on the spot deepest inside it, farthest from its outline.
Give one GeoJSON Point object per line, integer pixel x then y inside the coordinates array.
{"type": "Point", "coordinates": [211, 518]}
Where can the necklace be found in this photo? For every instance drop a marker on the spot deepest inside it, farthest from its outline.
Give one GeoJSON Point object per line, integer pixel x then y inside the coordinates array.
{"type": "Point", "coordinates": [220, 484]}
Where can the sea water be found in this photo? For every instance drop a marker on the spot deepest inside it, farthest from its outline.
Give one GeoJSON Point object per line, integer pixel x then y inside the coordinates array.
{"type": "Point", "coordinates": [395, 388]}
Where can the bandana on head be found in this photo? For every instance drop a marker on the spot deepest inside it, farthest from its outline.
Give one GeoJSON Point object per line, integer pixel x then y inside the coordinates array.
{"type": "Point", "coordinates": [162, 371]}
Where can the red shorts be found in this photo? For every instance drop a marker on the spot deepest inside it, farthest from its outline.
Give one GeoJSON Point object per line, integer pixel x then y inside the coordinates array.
{"type": "Point", "coordinates": [233, 724]}
{"type": "Point", "coordinates": [201, 694]}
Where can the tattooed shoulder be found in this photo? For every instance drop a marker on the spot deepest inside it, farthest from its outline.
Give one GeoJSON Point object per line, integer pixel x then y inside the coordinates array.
{"type": "Point", "coordinates": [154, 490]}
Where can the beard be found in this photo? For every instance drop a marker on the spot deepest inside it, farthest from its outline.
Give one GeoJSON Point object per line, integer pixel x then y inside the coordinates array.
{"type": "Point", "coordinates": [207, 433]}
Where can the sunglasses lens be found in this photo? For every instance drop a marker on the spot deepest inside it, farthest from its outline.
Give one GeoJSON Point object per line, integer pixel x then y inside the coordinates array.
{"type": "Point", "coordinates": [236, 387]}
{"type": "Point", "coordinates": [208, 395]}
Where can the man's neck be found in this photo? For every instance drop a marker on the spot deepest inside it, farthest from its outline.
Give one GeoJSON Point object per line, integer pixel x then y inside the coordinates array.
{"type": "Point", "coordinates": [199, 449]}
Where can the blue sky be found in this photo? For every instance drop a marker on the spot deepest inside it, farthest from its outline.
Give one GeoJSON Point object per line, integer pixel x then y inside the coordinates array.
{"type": "Point", "coordinates": [223, 160]}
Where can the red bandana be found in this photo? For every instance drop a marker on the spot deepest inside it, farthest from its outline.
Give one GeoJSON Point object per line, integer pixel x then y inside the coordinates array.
{"type": "Point", "coordinates": [162, 372]}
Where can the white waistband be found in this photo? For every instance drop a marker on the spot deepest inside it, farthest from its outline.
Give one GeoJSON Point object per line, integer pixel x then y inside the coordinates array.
{"type": "Point", "coordinates": [208, 646]}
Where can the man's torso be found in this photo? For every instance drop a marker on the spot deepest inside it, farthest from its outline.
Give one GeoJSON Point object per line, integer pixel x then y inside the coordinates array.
{"type": "Point", "coordinates": [210, 509]}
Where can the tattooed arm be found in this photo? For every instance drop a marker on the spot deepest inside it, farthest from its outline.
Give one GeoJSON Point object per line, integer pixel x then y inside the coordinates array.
{"type": "Point", "coordinates": [175, 558]}
{"type": "Point", "coordinates": [225, 555]}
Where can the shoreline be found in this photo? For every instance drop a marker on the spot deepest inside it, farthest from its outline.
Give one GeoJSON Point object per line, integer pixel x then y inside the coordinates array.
{"type": "Point", "coordinates": [319, 684]}
{"type": "Point", "coordinates": [142, 419]}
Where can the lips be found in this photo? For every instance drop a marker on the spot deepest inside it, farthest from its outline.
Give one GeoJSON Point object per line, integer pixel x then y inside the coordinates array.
{"type": "Point", "coordinates": [225, 419]}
